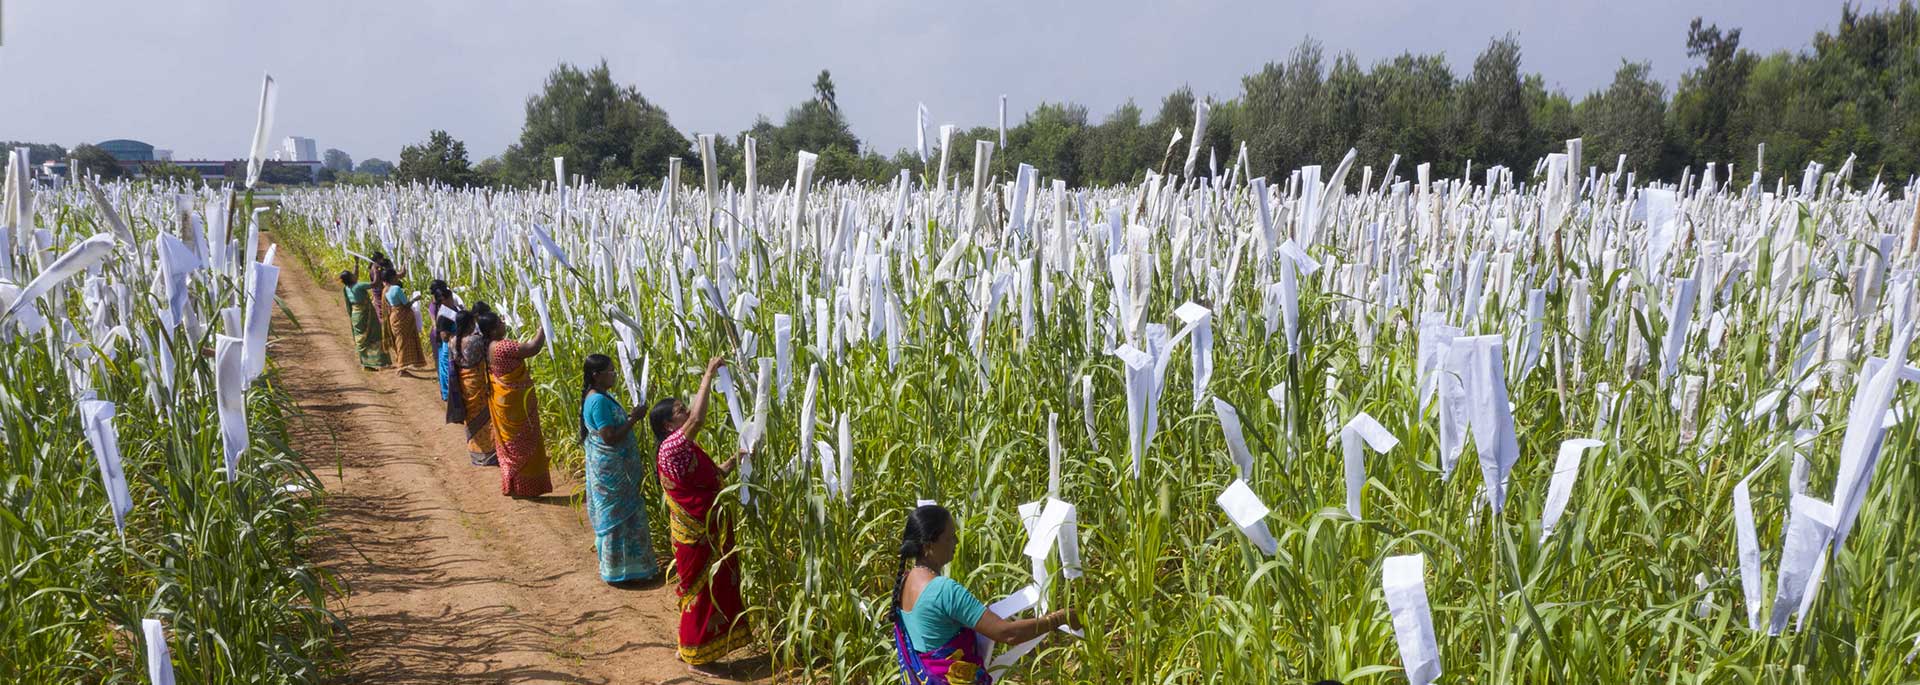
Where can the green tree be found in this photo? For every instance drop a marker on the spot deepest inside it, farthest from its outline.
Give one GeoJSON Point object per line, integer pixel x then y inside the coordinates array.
{"type": "Point", "coordinates": [94, 161]}
{"type": "Point", "coordinates": [1494, 124]}
{"type": "Point", "coordinates": [815, 126]}
{"type": "Point", "coordinates": [1708, 95]}
{"type": "Point", "coordinates": [1412, 96]}
{"type": "Point", "coordinates": [36, 152]}
{"type": "Point", "coordinates": [439, 159]}
{"type": "Point", "coordinates": [608, 132]}
{"type": "Point", "coordinates": [282, 173]}
{"type": "Point", "coordinates": [336, 160]}
{"type": "Point", "coordinates": [1050, 140]}
{"type": "Point", "coordinates": [374, 166]}
{"type": "Point", "coordinates": [1628, 118]}
{"type": "Point", "coordinates": [166, 172]}
{"type": "Point", "coordinates": [1119, 150]}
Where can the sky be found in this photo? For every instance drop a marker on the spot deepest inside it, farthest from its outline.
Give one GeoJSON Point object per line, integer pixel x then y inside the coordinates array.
{"type": "Point", "coordinates": [369, 77]}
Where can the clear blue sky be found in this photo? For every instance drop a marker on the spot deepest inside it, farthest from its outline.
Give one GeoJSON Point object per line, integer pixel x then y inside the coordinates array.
{"type": "Point", "coordinates": [370, 76]}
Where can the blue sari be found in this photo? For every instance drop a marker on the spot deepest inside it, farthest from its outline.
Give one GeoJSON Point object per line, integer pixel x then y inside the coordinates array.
{"type": "Point", "coordinates": [614, 508]}
{"type": "Point", "coordinates": [443, 362]}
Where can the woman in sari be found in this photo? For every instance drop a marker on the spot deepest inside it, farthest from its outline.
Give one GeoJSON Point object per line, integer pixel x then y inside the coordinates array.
{"type": "Point", "coordinates": [442, 312]}
{"type": "Point", "coordinates": [711, 612]}
{"type": "Point", "coordinates": [378, 272]}
{"type": "Point", "coordinates": [366, 323]}
{"type": "Point", "coordinates": [475, 388]}
{"type": "Point", "coordinates": [405, 326]}
{"type": "Point", "coordinates": [515, 410]}
{"type": "Point", "coordinates": [935, 619]}
{"type": "Point", "coordinates": [614, 475]}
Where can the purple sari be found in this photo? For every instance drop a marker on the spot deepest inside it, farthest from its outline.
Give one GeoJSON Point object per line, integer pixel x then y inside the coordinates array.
{"type": "Point", "coordinates": [948, 664]}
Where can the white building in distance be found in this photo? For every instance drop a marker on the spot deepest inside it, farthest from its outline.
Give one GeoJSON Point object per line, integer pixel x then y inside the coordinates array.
{"type": "Point", "coordinates": [298, 149]}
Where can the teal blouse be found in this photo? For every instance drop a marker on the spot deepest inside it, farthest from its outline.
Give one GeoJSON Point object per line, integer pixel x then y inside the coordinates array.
{"type": "Point", "coordinates": [941, 610]}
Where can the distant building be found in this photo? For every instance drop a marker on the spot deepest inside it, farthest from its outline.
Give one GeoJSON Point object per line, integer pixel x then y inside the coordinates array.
{"type": "Point", "coordinates": [127, 150]}
{"type": "Point", "coordinates": [161, 154]}
{"type": "Point", "coordinates": [298, 149]}
{"type": "Point", "coordinates": [213, 171]}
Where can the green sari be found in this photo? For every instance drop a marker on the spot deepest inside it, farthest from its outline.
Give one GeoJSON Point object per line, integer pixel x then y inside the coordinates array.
{"type": "Point", "coordinates": [366, 325]}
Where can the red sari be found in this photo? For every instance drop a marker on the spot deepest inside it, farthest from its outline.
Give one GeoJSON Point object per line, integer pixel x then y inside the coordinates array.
{"type": "Point", "coordinates": [711, 620]}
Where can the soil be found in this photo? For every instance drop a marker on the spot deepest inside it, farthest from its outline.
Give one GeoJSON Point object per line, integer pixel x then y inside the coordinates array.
{"type": "Point", "coordinates": [445, 579]}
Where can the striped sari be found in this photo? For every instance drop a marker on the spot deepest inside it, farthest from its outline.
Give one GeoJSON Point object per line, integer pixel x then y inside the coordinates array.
{"type": "Point", "coordinates": [366, 326]}
{"type": "Point", "coordinates": [477, 392]}
{"type": "Point", "coordinates": [516, 421]}
{"type": "Point", "coordinates": [712, 620]}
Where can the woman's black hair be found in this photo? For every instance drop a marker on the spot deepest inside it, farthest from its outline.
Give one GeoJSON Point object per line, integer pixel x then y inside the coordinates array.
{"type": "Point", "coordinates": [595, 364]}
{"type": "Point", "coordinates": [925, 524]}
{"type": "Point", "coordinates": [439, 288]}
{"type": "Point", "coordinates": [481, 307]}
{"type": "Point", "coordinates": [463, 323]}
{"type": "Point", "coordinates": [445, 325]}
{"type": "Point", "coordinates": [485, 322]}
{"type": "Point", "coordinates": [347, 278]}
{"type": "Point", "coordinates": [660, 415]}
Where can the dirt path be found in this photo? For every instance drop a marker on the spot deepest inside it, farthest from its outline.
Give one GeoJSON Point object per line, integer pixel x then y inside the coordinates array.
{"type": "Point", "coordinates": [448, 581]}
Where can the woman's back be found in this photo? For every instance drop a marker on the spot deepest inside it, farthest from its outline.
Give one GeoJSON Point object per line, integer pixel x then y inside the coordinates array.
{"type": "Point", "coordinates": [936, 610]}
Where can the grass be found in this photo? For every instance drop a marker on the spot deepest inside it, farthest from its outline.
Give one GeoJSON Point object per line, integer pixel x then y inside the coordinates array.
{"type": "Point", "coordinates": [221, 564]}
{"type": "Point", "coordinates": [1172, 591]}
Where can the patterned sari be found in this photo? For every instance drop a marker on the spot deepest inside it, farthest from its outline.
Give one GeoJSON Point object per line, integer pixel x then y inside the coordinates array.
{"type": "Point", "coordinates": [366, 325]}
{"type": "Point", "coordinates": [613, 496]}
{"type": "Point", "coordinates": [406, 329]}
{"type": "Point", "coordinates": [476, 391]}
{"type": "Point", "coordinates": [516, 421]}
{"type": "Point", "coordinates": [711, 612]}
{"type": "Point", "coordinates": [954, 663]}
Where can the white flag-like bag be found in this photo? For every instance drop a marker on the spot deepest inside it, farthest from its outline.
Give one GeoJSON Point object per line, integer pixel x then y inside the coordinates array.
{"type": "Point", "coordinates": [1403, 579]}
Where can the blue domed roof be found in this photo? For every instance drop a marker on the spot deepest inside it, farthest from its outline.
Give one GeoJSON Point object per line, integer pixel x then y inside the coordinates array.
{"type": "Point", "coordinates": [127, 150]}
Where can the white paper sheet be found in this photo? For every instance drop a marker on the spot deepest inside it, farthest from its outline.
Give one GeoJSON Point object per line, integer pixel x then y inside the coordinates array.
{"type": "Point", "coordinates": [230, 382]}
{"type": "Point", "coordinates": [1247, 512]}
{"type": "Point", "coordinates": [82, 256]}
{"type": "Point", "coordinates": [262, 131]}
{"type": "Point", "coordinates": [1046, 530]}
{"type": "Point", "coordinates": [159, 657]}
{"type": "Point", "coordinates": [263, 279]}
{"type": "Point", "coordinates": [1566, 471]}
{"type": "Point", "coordinates": [1361, 428]}
{"type": "Point", "coordinates": [1678, 320]}
{"type": "Point", "coordinates": [1403, 581]}
{"type": "Point", "coordinates": [1809, 530]}
{"type": "Point", "coordinates": [806, 412]}
{"type": "Point", "coordinates": [1086, 410]}
{"type": "Point", "coordinates": [539, 297]}
{"type": "Point", "coordinates": [783, 351]}
{"type": "Point", "coordinates": [1747, 541]}
{"type": "Point", "coordinates": [96, 421]}
{"type": "Point", "coordinates": [1236, 439]}
{"type": "Point", "coordinates": [846, 459]}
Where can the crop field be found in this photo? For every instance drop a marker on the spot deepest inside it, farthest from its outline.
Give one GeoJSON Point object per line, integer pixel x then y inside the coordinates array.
{"type": "Point", "coordinates": [149, 504]}
{"type": "Point", "coordinates": [1632, 432]}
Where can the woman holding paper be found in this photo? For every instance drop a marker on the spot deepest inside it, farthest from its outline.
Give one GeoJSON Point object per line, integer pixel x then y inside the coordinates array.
{"type": "Point", "coordinates": [935, 619]}
{"type": "Point", "coordinates": [515, 411]}
{"type": "Point", "coordinates": [366, 323]}
{"type": "Point", "coordinates": [614, 475]}
{"type": "Point", "coordinates": [711, 620]}
{"type": "Point", "coordinates": [476, 390]}
{"type": "Point", "coordinates": [404, 325]}
{"type": "Point", "coordinates": [442, 311]}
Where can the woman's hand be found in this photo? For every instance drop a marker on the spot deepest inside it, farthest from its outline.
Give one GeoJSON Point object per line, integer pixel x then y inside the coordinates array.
{"type": "Point", "coordinates": [714, 364]}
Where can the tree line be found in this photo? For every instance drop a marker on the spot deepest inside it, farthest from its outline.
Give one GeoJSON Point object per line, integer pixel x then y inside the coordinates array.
{"type": "Point", "coordinates": [1855, 91]}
